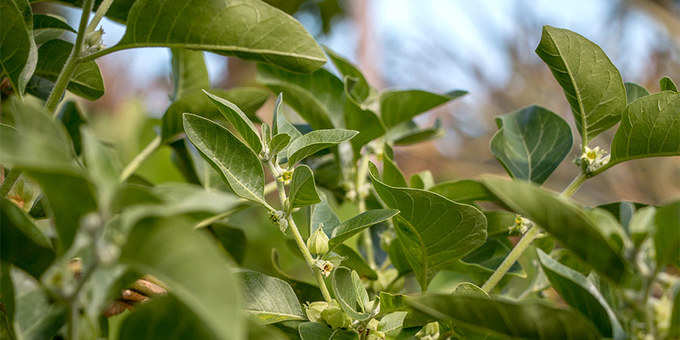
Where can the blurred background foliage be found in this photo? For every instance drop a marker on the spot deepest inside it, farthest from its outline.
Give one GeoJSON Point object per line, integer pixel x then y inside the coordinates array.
{"type": "Point", "coordinates": [485, 47]}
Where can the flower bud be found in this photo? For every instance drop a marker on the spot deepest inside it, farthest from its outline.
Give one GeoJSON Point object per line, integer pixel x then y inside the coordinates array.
{"type": "Point", "coordinates": [335, 317]}
{"type": "Point", "coordinates": [318, 242]}
{"type": "Point", "coordinates": [429, 331]}
{"type": "Point", "coordinates": [314, 310]}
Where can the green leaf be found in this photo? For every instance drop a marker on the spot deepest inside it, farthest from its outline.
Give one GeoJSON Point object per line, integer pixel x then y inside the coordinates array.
{"type": "Point", "coordinates": [422, 180]}
{"type": "Point", "coordinates": [358, 223]}
{"type": "Point", "coordinates": [237, 163]}
{"type": "Point", "coordinates": [249, 99]}
{"type": "Point", "coordinates": [491, 254]}
{"type": "Point", "coordinates": [529, 320]}
{"type": "Point", "coordinates": [392, 175]}
{"type": "Point", "coordinates": [350, 293]}
{"type": "Point", "coordinates": [317, 97]}
{"type": "Point", "coordinates": [304, 291]}
{"type": "Point", "coordinates": [315, 141]}
{"type": "Point", "coordinates": [73, 118]}
{"type": "Point", "coordinates": [49, 26]}
{"type": "Point", "coordinates": [161, 247]}
{"type": "Point", "coordinates": [674, 327]}
{"type": "Point", "coordinates": [591, 83]}
{"type": "Point", "coordinates": [239, 120]}
{"type": "Point", "coordinates": [19, 54]}
{"type": "Point", "coordinates": [164, 317]}
{"type": "Point", "coordinates": [360, 90]}
{"type": "Point", "coordinates": [189, 72]}
{"type": "Point", "coordinates": [648, 129]}
{"type": "Point", "coordinates": [352, 259]}
{"type": "Point", "coordinates": [499, 222]}
{"type": "Point", "coordinates": [667, 84]}
{"type": "Point", "coordinates": [392, 323]}
{"type": "Point", "coordinates": [433, 230]}
{"type": "Point", "coordinates": [314, 331]}
{"type": "Point", "coordinates": [322, 213]}
{"type": "Point", "coordinates": [22, 243]}
{"type": "Point", "coordinates": [86, 81]}
{"type": "Point", "coordinates": [251, 30]}
{"type": "Point", "coordinates": [409, 133]}
{"type": "Point", "coordinates": [36, 318]}
{"type": "Point", "coordinates": [302, 188]}
{"type": "Point", "coordinates": [279, 122]}
{"type": "Point", "coordinates": [582, 295]}
{"type": "Point", "coordinates": [634, 91]}
{"type": "Point", "coordinates": [463, 191]}
{"type": "Point", "coordinates": [469, 289]}
{"type": "Point", "coordinates": [365, 121]}
{"type": "Point", "coordinates": [233, 240]}
{"type": "Point", "coordinates": [279, 143]}
{"type": "Point", "coordinates": [564, 220]}
{"type": "Point", "coordinates": [400, 106]}
{"type": "Point", "coordinates": [667, 234]}
{"type": "Point", "coordinates": [531, 143]}
{"type": "Point", "coordinates": [641, 225]}
{"type": "Point", "coordinates": [268, 299]}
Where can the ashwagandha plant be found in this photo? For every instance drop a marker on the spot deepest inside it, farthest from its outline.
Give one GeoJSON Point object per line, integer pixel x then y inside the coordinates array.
{"type": "Point", "coordinates": [83, 239]}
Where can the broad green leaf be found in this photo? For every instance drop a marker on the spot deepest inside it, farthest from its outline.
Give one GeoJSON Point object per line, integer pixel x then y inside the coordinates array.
{"type": "Point", "coordinates": [233, 240]}
{"type": "Point", "coordinates": [73, 118]}
{"type": "Point", "coordinates": [161, 247]}
{"type": "Point", "coordinates": [564, 220]}
{"type": "Point", "coordinates": [641, 225]}
{"type": "Point", "coordinates": [250, 30]}
{"type": "Point", "coordinates": [469, 289]}
{"type": "Point", "coordinates": [239, 120]}
{"type": "Point", "coordinates": [365, 121]}
{"type": "Point", "coordinates": [392, 175]}
{"type": "Point", "coordinates": [102, 164]}
{"type": "Point", "coordinates": [279, 122]}
{"type": "Point", "coordinates": [499, 222]}
{"type": "Point", "coordinates": [390, 303]}
{"type": "Point", "coordinates": [582, 295]}
{"type": "Point", "coordinates": [86, 81]}
{"type": "Point", "coordinates": [185, 198]}
{"type": "Point", "coordinates": [358, 223]}
{"type": "Point", "coordinates": [531, 143]}
{"type": "Point", "coordinates": [667, 84]}
{"type": "Point", "coordinates": [36, 317]}
{"type": "Point", "coordinates": [305, 292]}
{"type": "Point", "coordinates": [463, 191]}
{"type": "Point", "coordinates": [164, 317]}
{"type": "Point", "coordinates": [189, 72]}
{"type": "Point", "coordinates": [19, 54]}
{"type": "Point", "coordinates": [409, 133]}
{"type": "Point", "coordinates": [22, 243]}
{"type": "Point", "coordinates": [317, 97]}
{"type": "Point", "coordinates": [322, 213]}
{"type": "Point", "coordinates": [392, 323]}
{"type": "Point", "coordinates": [315, 331]}
{"type": "Point", "coordinates": [528, 320]}
{"type": "Point", "coordinates": [634, 91]}
{"type": "Point", "coordinates": [591, 83]}
{"type": "Point", "coordinates": [350, 293]}
{"type": "Point", "coordinates": [360, 90]}
{"type": "Point", "coordinates": [249, 99]}
{"type": "Point", "coordinates": [268, 299]}
{"type": "Point", "coordinates": [400, 106]}
{"type": "Point", "coordinates": [667, 234]}
{"type": "Point", "coordinates": [279, 143]}
{"type": "Point", "coordinates": [433, 230]}
{"type": "Point", "coordinates": [48, 26]}
{"type": "Point", "coordinates": [623, 211]}
{"type": "Point", "coordinates": [302, 188]}
{"type": "Point", "coordinates": [352, 259]}
{"type": "Point", "coordinates": [422, 180]}
{"type": "Point", "coordinates": [491, 254]}
{"type": "Point", "coordinates": [237, 163]}
{"type": "Point", "coordinates": [648, 128]}
{"type": "Point", "coordinates": [315, 141]}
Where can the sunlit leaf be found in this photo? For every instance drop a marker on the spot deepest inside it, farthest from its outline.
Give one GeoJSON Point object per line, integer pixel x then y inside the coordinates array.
{"type": "Point", "coordinates": [239, 120]}
{"type": "Point", "coordinates": [359, 223]}
{"type": "Point", "coordinates": [269, 299]}
{"type": "Point", "coordinates": [302, 188]}
{"type": "Point", "coordinates": [667, 84]}
{"type": "Point", "coordinates": [189, 72]}
{"type": "Point", "coordinates": [634, 91]}
{"type": "Point", "coordinates": [315, 141]}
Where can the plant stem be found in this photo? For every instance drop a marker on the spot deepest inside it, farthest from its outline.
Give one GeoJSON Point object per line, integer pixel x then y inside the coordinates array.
{"type": "Point", "coordinates": [526, 240]}
{"type": "Point", "coordinates": [73, 321]}
{"type": "Point", "coordinates": [72, 61]}
{"type": "Point", "coordinates": [360, 179]}
{"type": "Point", "coordinates": [509, 260]}
{"type": "Point", "coordinates": [140, 158]}
{"type": "Point", "coordinates": [11, 178]}
{"type": "Point", "coordinates": [296, 232]}
{"type": "Point", "coordinates": [98, 15]}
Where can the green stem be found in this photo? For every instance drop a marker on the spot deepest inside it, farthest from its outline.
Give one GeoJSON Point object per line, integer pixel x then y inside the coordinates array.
{"type": "Point", "coordinates": [140, 158]}
{"type": "Point", "coordinates": [11, 178]}
{"type": "Point", "coordinates": [72, 61]}
{"type": "Point", "coordinates": [526, 240]}
{"type": "Point", "coordinates": [362, 171]}
{"type": "Point", "coordinates": [99, 15]}
{"type": "Point", "coordinates": [73, 321]}
{"type": "Point", "coordinates": [296, 233]}
{"type": "Point", "coordinates": [509, 260]}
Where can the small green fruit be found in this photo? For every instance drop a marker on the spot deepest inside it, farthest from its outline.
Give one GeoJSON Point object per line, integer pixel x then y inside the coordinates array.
{"type": "Point", "coordinates": [318, 242]}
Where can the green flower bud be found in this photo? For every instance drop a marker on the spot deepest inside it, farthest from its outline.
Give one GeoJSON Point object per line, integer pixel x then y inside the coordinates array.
{"type": "Point", "coordinates": [335, 317]}
{"type": "Point", "coordinates": [318, 242]}
{"type": "Point", "coordinates": [429, 331]}
{"type": "Point", "coordinates": [372, 325]}
{"type": "Point", "coordinates": [314, 310]}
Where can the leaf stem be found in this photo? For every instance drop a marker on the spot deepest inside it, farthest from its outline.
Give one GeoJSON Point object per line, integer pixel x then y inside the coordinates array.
{"type": "Point", "coordinates": [140, 158]}
{"type": "Point", "coordinates": [72, 321]}
{"type": "Point", "coordinates": [296, 232]}
{"type": "Point", "coordinates": [526, 240]}
{"type": "Point", "coordinates": [98, 15]}
{"type": "Point", "coordinates": [71, 62]}
{"type": "Point", "coordinates": [360, 179]}
{"type": "Point", "coordinates": [11, 178]}
{"type": "Point", "coordinates": [509, 260]}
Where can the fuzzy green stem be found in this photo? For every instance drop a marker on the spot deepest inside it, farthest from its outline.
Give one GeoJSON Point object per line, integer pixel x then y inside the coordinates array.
{"type": "Point", "coordinates": [11, 178]}
{"type": "Point", "coordinates": [140, 158]}
{"type": "Point", "coordinates": [296, 233]}
{"type": "Point", "coordinates": [99, 15]}
{"type": "Point", "coordinates": [509, 260]}
{"type": "Point", "coordinates": [73, 321]}
{"type": "Point", "coordinates": [71, 62]}
{"type": "Point", "coordinates": [574, 185]}
{"type": "Point", "coordinates": [362, 171]}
